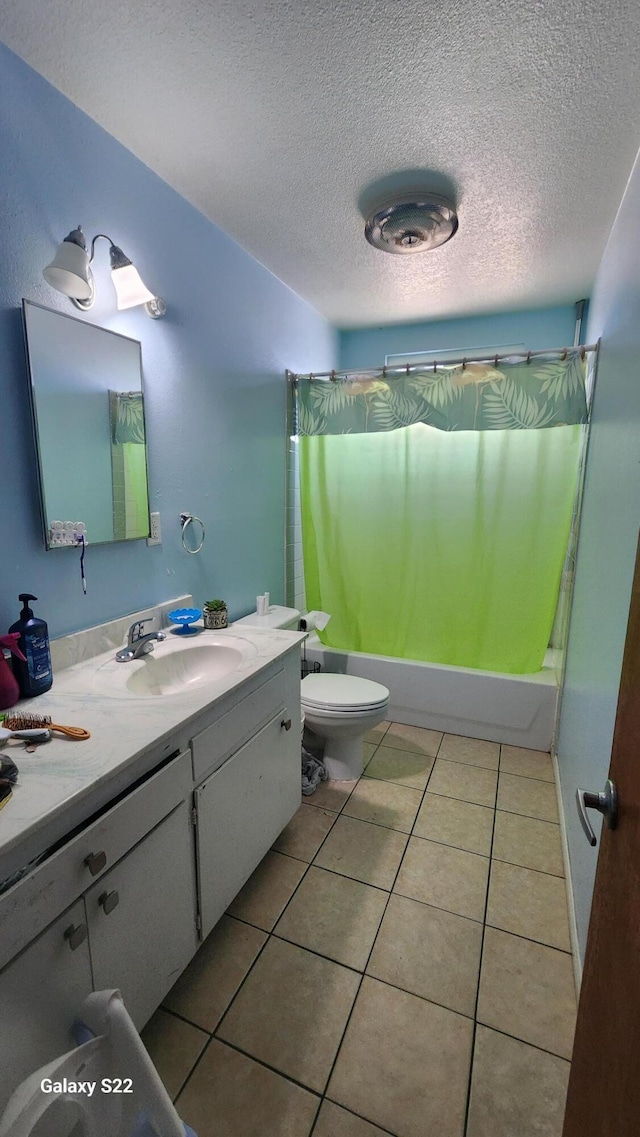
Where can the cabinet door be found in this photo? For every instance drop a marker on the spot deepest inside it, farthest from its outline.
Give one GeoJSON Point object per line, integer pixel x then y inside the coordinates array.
{"type": "Point", "coordinates": [142, 917]}
{"type": "Point", "coordinates": [41, 993]}
{"type": "Point", "coordinates": [241, 809]}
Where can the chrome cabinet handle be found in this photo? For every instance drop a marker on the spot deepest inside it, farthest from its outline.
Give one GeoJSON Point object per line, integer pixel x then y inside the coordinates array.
{"type": "Point", "coordinates": [606, 803]}
{"type": "Point", "coordinates": [95, 862]}
{"type": "Point", "coordinates": [75, 935]}
{"type": "Point", "coordinates": [286, 723]}
{"type": "Point", "coordinates": [108, 901]}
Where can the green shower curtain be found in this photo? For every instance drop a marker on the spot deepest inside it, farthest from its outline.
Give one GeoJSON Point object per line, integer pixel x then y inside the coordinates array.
{"type": "Point", "coordinates": [439, 545]}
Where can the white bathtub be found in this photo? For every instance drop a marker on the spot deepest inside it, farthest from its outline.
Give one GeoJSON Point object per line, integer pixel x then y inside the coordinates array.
{"type": "Point", "coordinates": [516, 709]}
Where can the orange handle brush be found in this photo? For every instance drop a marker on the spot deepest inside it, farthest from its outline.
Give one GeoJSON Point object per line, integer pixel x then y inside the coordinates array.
{"type": "Point", "coordinates": [22, 721]}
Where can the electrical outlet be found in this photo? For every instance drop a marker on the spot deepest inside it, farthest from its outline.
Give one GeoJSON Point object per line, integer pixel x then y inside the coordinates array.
{"type": "Point", "coordinates": [155, 537]}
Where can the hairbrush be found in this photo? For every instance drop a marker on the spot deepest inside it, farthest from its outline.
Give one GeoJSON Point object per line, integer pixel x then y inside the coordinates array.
{"type": "Point", "coordinates": [23, 721]}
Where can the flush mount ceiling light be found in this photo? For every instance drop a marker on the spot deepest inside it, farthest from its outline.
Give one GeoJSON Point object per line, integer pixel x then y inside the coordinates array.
{"type": "Point", "coordinates": [70, 273]}
{"type": "Point", "coordinates": [412, 225]}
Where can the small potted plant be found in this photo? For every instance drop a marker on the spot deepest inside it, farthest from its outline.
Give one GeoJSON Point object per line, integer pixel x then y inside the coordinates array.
{"type": "Point", "coordinates": [215, 615]}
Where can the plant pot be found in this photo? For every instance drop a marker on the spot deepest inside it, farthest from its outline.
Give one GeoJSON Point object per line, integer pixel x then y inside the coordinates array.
{"type": "Point", "coordinates": [214, 620]}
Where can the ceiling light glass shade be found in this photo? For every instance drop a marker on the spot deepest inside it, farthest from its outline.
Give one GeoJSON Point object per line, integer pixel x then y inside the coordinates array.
{"type": "Point", "coordinates": [69, 270]}
{"type": "Point", "coordinates": [130, 288]}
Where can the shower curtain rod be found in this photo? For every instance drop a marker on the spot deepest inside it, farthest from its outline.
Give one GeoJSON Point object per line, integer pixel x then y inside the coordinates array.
{"type": "Point", "coordinates": [432, 364]}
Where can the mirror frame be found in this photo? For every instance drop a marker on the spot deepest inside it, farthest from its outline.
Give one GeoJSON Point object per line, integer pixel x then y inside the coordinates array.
{"type": "Point", "coordinates": [35, 428]}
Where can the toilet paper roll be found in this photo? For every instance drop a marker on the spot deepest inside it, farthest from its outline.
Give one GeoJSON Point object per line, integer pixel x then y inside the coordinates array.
{"type": "Point", "coordinates": [317, 620]}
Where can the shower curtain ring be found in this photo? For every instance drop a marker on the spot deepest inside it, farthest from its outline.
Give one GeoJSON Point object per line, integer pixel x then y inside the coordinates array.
{"type": "Point", "coordinates": [333, 377]}
{"type": "Point", "coordinates": [464, 364]}
{"type": "Point", "coordinates": [435, 364]}
{"type": "Point", "coordinates": [384, 371]}
{"type": "Point", "coordinates": [583, 354]}
{"type": "Point", "coordinates": [564, 354]}
{"type": "Point", "coordinates": [495, 362]}
{"type": "Point", "coordinates": [312, 378]}
{"type": "Point", "coordinates": [528, 357]}
{"type": "Point", "coordinates": [407, 368]}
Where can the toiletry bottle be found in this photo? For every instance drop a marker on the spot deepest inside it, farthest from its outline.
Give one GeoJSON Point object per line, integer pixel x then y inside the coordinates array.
{"type": "Point", "coordinates": [35, 675]}
{"type": "Point", "coordinates": [9, 689]}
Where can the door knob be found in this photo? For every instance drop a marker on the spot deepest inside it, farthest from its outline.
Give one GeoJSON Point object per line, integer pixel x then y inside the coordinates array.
{"type": "Point", "coordinates": [95, 862]}
{"type": "Point", "coordinates": [606, 803]}
{"type": "Point", "coordinates": [75, 935]}
{"type": "Point", "coordinates": [109, 901]}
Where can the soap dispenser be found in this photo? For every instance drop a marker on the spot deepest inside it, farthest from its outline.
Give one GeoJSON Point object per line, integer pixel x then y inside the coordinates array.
{"type": "Point", "coordinates": [35, 674]}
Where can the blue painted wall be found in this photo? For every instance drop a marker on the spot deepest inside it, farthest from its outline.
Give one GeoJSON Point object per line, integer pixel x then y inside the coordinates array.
{"type": "Point", "coordinates": [607, 544]}
{"type": "Point", "coordinates": [546, 327]}
{"type": "Point", "coordinates": [213, 369]}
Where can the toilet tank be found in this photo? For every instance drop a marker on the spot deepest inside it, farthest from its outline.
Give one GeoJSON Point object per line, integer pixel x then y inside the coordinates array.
{"type": "Point", "coordinates": [278, 616]}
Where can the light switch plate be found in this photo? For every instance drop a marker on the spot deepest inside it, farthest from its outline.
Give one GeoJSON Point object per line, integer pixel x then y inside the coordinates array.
{"type": "Point", "coordinates": [156, 532]}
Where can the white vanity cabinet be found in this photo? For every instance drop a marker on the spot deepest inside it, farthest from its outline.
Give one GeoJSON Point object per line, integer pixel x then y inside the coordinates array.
{"type": "Point", "coordinates": [134, 928]}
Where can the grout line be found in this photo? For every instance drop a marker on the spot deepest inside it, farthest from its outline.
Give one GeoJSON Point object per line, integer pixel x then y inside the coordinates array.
{"type": "Point", "coordinates": [524, 1041]}
{"type": "Point", "coordinates": [527, 777]}
{"type": "Point", "coordinates": [475, 1008]}
{"type": "Point", "coordinates": [353, 1113]}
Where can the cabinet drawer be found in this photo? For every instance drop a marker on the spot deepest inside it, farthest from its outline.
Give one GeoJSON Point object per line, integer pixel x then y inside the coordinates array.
{"type": "Point", "coordinates": [215, 744]}
{"type": "Point", "coordinates": [34, 902]}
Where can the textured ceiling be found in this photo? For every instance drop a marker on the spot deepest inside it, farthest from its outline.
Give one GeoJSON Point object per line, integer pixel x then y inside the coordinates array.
{"type": "Point", "coordinates": [283, 119]}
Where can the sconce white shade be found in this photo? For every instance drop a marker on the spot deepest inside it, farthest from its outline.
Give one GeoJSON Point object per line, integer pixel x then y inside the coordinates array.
{"type": "Point", "coordinates": [130, 289]}
{"type": "Point", "coordinates": [69, 270]}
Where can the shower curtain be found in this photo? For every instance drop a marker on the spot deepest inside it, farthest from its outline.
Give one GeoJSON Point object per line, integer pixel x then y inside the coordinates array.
{"type": "Point", "coordinates": [445, 545]}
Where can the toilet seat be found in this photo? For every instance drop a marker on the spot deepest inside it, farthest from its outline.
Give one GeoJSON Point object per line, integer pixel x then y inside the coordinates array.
{"type": "Point", "coordinates": [343, 694]}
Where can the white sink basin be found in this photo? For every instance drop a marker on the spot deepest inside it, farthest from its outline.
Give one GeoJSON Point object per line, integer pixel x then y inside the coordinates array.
{"type": "Point", "coordinates": [175, 667]}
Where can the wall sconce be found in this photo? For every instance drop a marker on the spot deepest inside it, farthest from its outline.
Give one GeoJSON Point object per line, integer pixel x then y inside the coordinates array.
{"type": "Point", "coordinates": [70, 273]}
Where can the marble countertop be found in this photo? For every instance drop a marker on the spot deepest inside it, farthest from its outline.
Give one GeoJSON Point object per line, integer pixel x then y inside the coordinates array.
{"type": "Point", "coordinates": [61, 772]}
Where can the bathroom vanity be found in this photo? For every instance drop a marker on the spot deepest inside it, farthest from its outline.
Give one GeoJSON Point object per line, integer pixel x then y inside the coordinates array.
{"type": "Point", "coordinates": [127, 848]}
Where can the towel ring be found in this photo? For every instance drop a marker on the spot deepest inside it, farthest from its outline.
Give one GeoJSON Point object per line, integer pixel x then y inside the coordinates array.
{"type": "Point", "coordinates": [188, 519]}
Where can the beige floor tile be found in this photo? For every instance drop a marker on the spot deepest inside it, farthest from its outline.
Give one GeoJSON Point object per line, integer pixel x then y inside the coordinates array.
{"type": "Point", "coordinates": [527, 990]}
{"type": "Point", "coordinates": [267, 890]}
{"type": "Point", "coordinates": [468, 783]}
{"type": "Point", "coordinates": [384, 803]}
{"type": "Point", "coordinates": [429, 952]}
{"type": "Point", "coordinates": [417, 739]}
{"type": "Point", "coordinates": [230, 1095]}
{"type": "Point", "coordinates": [366, 852]}
{"type": "Point", "coordinates": [292, 1011]}
{"type": "Point", "coordinates": [330, 795]}
{"type": "Point", "coordinates": [174, 1047]}
{"type": "Point", "coordinates": [526, 763]}
{"type": "Point", "coordinates": [445, 877]}
{"type": "Point", "coordinates": [527, 796]}
{"type": "Point", "coordinates": [515, 1089]}
{"type": "Point", "coordinates": [529, 842]}
{"type": "Point", "coordinates": [335, 916]}
{"type": "Point", "coordinates": [404, 1063]}
{"type": "Point", "coordinates": [378, 732]}
{"type": "Point", "coordinates": [203, 992]}
{"type": "Point", "coordinates": [454, 822]}
{"type": "Point", "coordinates": [401, 766]}
{"type": "Point", "coordinates": [473, 751]}
{"type": "Point", "coordinates": [334, 1121]}
{"type": "Point", "coordinates": [305, 832]}
{"type": "Point", "coordinates": [529, 903]}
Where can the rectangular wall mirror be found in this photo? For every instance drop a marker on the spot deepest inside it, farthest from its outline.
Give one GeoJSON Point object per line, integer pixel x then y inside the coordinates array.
{"type": "Point", "coordinates": [88, 414]}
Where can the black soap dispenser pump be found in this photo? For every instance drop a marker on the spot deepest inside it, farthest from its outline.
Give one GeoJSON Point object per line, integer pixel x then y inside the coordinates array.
{"type": "Point", "coordinates": [35, 674]}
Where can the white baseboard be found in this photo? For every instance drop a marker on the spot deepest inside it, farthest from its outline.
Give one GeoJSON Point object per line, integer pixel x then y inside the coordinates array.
{"type": "Point", "coordinates": [573, 927]}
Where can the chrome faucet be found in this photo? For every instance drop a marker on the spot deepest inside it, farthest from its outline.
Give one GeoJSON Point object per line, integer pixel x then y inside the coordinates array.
{"type": "Point", "coordinates": [139, 643]}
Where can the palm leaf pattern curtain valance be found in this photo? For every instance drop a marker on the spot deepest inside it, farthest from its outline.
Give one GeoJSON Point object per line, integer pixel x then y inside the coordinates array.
{"type": "Point", "coordinates": [514, 395]}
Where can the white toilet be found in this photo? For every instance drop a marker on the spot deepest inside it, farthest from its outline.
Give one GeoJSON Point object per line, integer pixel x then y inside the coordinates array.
{"type": "Point", "coordinates": [340, 709]}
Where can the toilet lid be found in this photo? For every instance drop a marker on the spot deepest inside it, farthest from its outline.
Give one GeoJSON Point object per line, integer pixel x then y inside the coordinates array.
{"type": "Point", "coordinates": [348, 692]}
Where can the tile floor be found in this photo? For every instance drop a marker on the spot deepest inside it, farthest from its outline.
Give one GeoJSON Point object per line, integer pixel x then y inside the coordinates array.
{"type": "Point", "coordinates": [397, 964]}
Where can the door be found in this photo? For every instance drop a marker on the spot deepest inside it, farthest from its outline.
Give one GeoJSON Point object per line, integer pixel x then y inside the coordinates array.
{"type": "Point", "coordinates": [142, 915]}
{"type": "Point", "coordinates": [241, 810]}
{"type": "Point", "coordinates": [604, 1086]}
{"type": "Point", "coordinates": [41, 994]}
